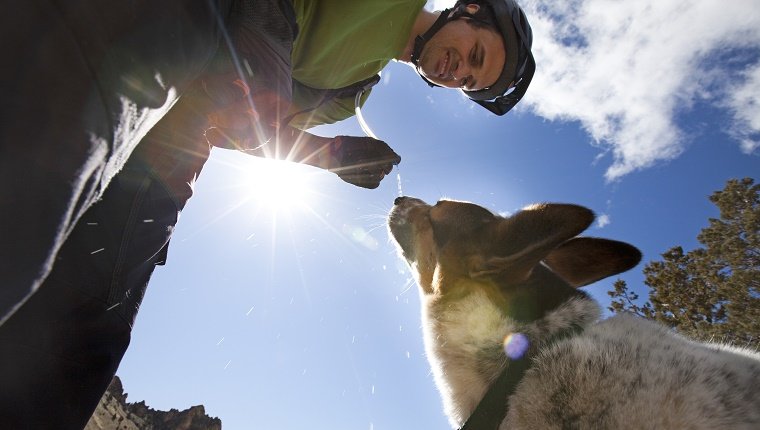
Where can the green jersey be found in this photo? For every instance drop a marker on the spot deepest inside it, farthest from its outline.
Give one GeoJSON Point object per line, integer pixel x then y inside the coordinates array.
{"type": "Point", "coordinates": [341, 42]}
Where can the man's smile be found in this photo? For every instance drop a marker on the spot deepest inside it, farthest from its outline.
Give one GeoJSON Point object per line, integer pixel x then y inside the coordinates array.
{"type": "Point", "coordinates": [444, 66]}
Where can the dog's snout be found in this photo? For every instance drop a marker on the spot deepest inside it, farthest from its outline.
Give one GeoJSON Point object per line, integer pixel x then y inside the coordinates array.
{"type": "Point", "coordinates": [407, 202]}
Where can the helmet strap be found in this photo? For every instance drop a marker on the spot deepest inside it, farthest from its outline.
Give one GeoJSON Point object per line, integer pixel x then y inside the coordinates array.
{"type": "Point", "coordinates": [421, 40]}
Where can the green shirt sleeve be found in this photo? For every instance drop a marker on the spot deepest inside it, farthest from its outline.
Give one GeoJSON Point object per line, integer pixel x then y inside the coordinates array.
{"type": "Point", "coordinates": [309, 113]}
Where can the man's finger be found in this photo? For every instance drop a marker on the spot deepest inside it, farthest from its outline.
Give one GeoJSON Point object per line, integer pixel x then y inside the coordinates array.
{"type": "Point", "coordinates": [363, 179]}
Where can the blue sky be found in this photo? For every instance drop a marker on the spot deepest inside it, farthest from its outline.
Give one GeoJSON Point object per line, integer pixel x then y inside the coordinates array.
{"type": "Point", "coordinates": [288, 308]}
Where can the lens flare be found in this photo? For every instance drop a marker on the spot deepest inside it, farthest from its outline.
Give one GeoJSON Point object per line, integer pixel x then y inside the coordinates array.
{"type": "Point", "coordinates": [360, 236]}
{"type": "Point", "coordinates": [516, 345]}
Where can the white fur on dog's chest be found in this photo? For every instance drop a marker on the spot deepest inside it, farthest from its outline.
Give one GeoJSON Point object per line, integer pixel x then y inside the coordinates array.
{"type": "Point", "coordinates": [464, 340]}
{"type": "Point", "coordinates": [468, 324]}
{"type": "Point", "coordinates": [456, 334]}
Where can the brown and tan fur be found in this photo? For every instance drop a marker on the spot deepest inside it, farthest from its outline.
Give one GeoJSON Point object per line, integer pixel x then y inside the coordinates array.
{"type": "Point", "coordinates": [483, 277]}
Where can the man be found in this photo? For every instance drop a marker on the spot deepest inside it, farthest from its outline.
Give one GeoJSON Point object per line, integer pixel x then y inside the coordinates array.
{"type": "Point", "coordinates": [59, 351]}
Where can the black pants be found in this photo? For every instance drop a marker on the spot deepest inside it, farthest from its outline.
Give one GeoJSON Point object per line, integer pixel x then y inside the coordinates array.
{"type": "Point", "coordinates": [60, 350]}
{"type": "Point", "coordinates": [82, 81]}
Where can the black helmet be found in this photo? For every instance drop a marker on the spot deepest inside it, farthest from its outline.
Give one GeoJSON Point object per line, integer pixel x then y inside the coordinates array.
{"type": "Point", "coordinates": [519, 64]}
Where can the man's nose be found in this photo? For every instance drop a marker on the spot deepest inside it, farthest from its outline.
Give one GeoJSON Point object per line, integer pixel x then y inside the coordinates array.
{"type": "Point", "coordinates": [461, 71]}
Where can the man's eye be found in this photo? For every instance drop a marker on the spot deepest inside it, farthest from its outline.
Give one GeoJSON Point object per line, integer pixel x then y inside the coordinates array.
{"type": "Point", "coordinates": [477, 56]}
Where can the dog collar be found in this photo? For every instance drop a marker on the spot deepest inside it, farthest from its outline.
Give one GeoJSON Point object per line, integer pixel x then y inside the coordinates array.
{"type": "Point", "coordinates": [493, 407]}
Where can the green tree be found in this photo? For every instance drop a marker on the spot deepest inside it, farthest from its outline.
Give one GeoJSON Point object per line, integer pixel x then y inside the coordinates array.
{"type": "Point", "coordinates": [712, 291]}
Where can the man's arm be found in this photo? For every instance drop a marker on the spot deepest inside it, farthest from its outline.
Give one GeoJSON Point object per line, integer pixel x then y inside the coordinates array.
{"type": "Point", "coordinates": [361, 161]}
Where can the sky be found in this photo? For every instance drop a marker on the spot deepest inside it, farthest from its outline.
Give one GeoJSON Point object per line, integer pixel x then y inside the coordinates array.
{"type": "Point", "coordinates": [286, 306]}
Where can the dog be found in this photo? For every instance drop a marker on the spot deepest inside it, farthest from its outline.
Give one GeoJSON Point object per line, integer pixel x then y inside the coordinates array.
{"type": "Point", "coordinates": [513, 344]}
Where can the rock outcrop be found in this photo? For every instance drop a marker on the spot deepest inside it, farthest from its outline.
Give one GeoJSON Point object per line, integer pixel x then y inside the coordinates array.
{"type": "Point", "coordinates": [115, 413]}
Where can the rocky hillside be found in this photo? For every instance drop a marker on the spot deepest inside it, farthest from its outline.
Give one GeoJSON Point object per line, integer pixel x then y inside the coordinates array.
{"type": "Point", "coordinates": [114, 413]}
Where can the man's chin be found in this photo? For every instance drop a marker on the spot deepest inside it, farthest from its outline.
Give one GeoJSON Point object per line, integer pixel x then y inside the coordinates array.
{"type": "Point", "coordinates": [429, 76]}
{"type": "Point", "coordinates": [440, 83]}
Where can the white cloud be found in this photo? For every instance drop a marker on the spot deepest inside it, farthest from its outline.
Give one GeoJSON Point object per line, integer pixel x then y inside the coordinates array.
{"type": "Point", "coordinates": [745, 106]}
{"type": "Point", "coordinates": [623, 69]}
{"type": "Point", "coordinates": [439, 4]}
{"type": "Point", "coordinates": [603, 220]}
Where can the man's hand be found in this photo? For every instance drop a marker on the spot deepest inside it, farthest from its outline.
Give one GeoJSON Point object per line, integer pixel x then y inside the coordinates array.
{"type": "Point", "coordinates": [362, 161]}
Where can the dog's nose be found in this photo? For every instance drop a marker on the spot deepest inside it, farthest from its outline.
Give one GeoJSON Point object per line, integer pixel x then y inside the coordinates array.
{"type": "Point", "coordinates": [399, 200]}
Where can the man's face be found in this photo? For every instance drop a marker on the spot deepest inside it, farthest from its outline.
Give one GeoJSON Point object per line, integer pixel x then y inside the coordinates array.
{"type": "Point", "coordinates": [460, 55]}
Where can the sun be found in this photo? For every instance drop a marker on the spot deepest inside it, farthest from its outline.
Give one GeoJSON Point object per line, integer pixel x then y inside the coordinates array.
{"type": "Point", "coordinates": [277, 184]}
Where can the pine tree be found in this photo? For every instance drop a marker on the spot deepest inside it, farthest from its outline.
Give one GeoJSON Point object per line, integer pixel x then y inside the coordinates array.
{"type": "Point", "coordinates": [713, 291]}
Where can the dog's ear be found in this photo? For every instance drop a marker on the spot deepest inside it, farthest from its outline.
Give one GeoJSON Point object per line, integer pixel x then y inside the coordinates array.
{"type": "Point", "coordinates": [583, 260]}
{"type": "Point", "coordinates": [518, 243]}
